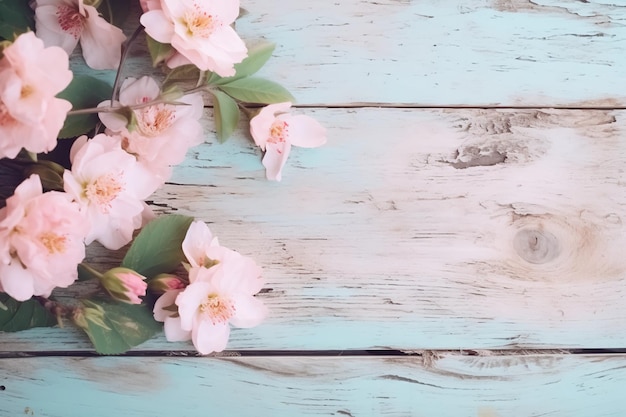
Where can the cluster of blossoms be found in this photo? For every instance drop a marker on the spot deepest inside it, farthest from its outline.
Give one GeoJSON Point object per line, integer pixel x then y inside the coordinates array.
{"type": "Point", "coordinates": [142, 132]}
{"type": "Point", "coordinates": [219, 290]}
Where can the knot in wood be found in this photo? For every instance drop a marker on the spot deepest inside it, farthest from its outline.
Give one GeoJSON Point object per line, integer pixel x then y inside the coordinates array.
{"type": "Point", "coordinates": [536, 246]}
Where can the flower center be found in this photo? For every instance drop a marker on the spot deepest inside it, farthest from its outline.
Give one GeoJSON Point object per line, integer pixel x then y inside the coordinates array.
{"type": "Point", "coordinates": [216, 309]}
{"type": "Point", "coordinates": [70, 20]}
{"type": "Point", "coordinates": [26, 91]}
{"type": "Point", "coordinates": [153, 120]}
{"type": "Point", "coordinates": [279, 132]}
{"type": "Point", "coordinates": [103, 191]}
{"type": "Point", "coordinates": [53, 242]}
{"type": "Point", "coordinates": [198, 22]}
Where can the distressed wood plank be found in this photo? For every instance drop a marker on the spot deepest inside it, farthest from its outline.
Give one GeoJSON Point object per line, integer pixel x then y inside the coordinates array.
{"type": "Point", "coordinates": [421, 229]}
{"type": "Point", "coordinates": [447, 53]}
{"type": "Point", "coordinates": [455, 386]}
{"type": "Point", "coordinates": [464, 52]}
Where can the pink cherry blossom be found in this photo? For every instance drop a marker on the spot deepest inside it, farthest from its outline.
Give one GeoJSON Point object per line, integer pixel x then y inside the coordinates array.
{"type": "Point", "coordinates": [30, 78]}
{"type": "Point", "coordinates": [108, 185]}
{"type": "Point", "coordinates": [163, 133]}
{"type": "Point", "coordinates": [221, 292]}
{"type": "Point", "coordinates": [41, 241]}
{"type": "Point", "coordinates": [66, 22]}
{"type": "Point", "coordinates": [274, 131]}
{"type": "Point", "coordinates": [200, 31]}
{"type": "Point", "coordinates": [220, 296]}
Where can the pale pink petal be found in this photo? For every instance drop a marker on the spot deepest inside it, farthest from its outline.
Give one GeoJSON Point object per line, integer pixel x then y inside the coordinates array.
{"type": "Point", "coordinates": [250, 311]}
{"type": "Point", "coordinates": [261, 124]}
{"type": "Point", "coordinates": [306, 132]}
{"type": "Point", "coordinates": [137, 91]}
{"type": "Point", "coordinates": [173, 331]}
{"type": "Point", "coordinates": [208, 337]}
{"type": "Point", "coordinates": [275, 157]}
{"type": "Point", "coordinates": [177, 60]}
{"type": "Point", "coordinates": [189, 301]}
{"type": "Point", "coordinates": [101, 42]}
{"type": "Point", "coordinates": [228, 40]}
{"type": "Point", "coordinates": [48, 29]}
{"type": "Point", "coordinates": [227, 11]}
{"type": "Point", "coordinates": [113, 121]}
{"type": "Point", "coordinates": [17, 281]}
{"type": "Point", "coordinates": [167, 299]}
{"type": "Point", "coordinates": [158, 26]}
{"type": "Point", "coordinates": [197, 239]}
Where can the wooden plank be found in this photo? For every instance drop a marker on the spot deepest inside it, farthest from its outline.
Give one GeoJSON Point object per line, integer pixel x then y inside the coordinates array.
{"type": "Point", "coordinates": [462, 52]}
{"type": "Point", "coordinates": [420, 229]}
{"type": "Point", "coordinates": [445, 53]}
{"type": "Point", "coordinates": [455, 386]}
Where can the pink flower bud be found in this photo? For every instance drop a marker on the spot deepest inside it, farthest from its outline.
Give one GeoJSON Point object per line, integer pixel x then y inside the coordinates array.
{"type": "Point", "coordinates": [166, 282]}
{"type": "Point", "coordinates": [125, 285]}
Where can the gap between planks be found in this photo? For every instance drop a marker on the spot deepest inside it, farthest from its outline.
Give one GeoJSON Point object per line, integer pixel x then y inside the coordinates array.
{"type": "Point", "coordinates": [424, 353]}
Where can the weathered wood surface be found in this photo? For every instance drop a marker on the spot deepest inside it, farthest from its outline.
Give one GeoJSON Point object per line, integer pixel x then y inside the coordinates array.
{"type": "Point", "coordinates": [443, 53]}
{"type": "Point", "coordinates": [413, 229]}
{"type": "Point", "coordinates": [423, 229]}
{"type": "Point", "coordinates": [446, 53]}
{"type": "Point", "coordinates": [449, 386]}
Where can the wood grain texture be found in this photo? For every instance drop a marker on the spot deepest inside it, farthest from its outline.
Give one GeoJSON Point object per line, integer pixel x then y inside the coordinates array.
{"type": "Point", "coordinates": [445, 53]}
{"type": "Point", "coordinates": [447, 386]}
{"type": "Point", "coordinates": [421, 229]}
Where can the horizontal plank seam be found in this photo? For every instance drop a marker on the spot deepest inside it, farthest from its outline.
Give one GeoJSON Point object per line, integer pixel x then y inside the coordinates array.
{"type": "Point", "coordinates": [409, 106]}
{"type": "Point", "coordinates": [320, 353]}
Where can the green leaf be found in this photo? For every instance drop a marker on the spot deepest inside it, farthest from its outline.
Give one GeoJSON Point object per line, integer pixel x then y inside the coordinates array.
{"type": "Point", "coordinates": [226, 114]}
{"type": "Point", "coordinates": [16, 17]}
{"type": "Point", "coordinates": [159, 52]}
{"type": "Point", "coordinates": [258, 55]}
{"type": "Point", "coordinates": [114, 327]}
{"type": "Point", "coordinates": [158, 247]}
{"type": "Point", "coordinates": [83, 92]}
{"type": "Point", "coordinates": [180, 74]}
{"type": "Point", "coordinates": [22, 315]}
{"type": "Point", "coordinates": [256, 90]}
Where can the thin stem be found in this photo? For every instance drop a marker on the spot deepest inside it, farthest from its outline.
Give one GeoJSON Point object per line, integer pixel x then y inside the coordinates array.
{"type": "Point", "coordinates": [112, 109]}
{"type": "Point", "coordinates": [245, 110]}
{"type": "Point", "coordinates": [125, 49]}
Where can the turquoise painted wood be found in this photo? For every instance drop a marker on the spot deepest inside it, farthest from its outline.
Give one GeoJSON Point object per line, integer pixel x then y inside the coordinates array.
{"type": "Point", "coordinates": [449, 386]}
{"type": "Point", "coordinates": [444, 53]}
{"type": "Point", "coordinates": [440, 232]}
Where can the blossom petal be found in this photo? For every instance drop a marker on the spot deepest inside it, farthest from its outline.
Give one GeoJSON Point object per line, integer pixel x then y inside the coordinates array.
{"type": "Point", "coordinates": [189, 301]}
{"type": "Point", "coordinates": [275, 157]}
{"type": "Point", "coordinates": [173, 331]}
{"type": "Point", "coordinates": [136, 91]}
{"type": "Point", "coordinates": [48, 29]}
{"type": "Point", "coordinates": [167, 299]}
{"type": "Point", "coordinates": [158, 26]}
{"type": "Point", "coordinates": [306, 132]}
{"type": "Point", "coordinates": [250, 311]}
{"type": "Point", "coordinates": [208, 337]}
{"type": "Point", "coordinates": [198, 238]}
{"type": "Point", "coordinates": [261, 124]}
{"type": "Point", "coordinates": [101, 42]}
{"type": "Point", "coordinates": [227, 11]}
{"type": "Point", "coordinates": [17, 281]}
